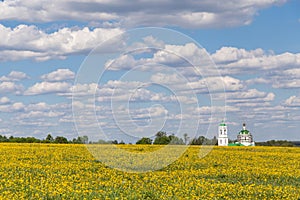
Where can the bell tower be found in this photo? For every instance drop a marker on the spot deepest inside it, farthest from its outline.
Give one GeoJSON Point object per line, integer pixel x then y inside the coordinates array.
{"type": "Point", "coordinates": [222, 136]}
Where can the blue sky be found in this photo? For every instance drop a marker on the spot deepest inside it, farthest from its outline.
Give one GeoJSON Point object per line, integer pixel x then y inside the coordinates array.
{"type": "Point", "coordinates": [254, 45]}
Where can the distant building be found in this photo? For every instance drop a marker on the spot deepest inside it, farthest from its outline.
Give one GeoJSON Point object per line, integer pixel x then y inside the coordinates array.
{"type": "Point", "coordinates": [245, 138]}
{"type": "Point", "coordinates": [223, 137]}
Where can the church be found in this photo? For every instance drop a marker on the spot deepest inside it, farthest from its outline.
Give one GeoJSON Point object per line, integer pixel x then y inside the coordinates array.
{"type": "Point", "coordinates": [244, 137]}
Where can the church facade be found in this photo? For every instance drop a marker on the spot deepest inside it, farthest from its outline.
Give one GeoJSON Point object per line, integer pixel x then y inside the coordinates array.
{"type": "Point", "coordinates": [244, 137]}
{"type": "Point", "coordinates": [223, 137]}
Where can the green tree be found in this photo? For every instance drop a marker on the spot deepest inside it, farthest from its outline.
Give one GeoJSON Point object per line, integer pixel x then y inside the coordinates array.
{"type": "Point", "coordinates": [161, 138]}
{"type": "Point", "coordinates": [144, 140]}
{"type": "Point", "coordinates": [3, 138]}
{"type": "Point", "coordinates": [175, 140]}
{"type": "Point", "coordinates": [85, 139]}
{"type": "Point", "coordinates": [115, 142]}
{"type": "Point", "coordinates": [161, 134]}
{"type": "Point", "coordinates": [201, 140]}
{"type": "Point", "coordinates": [49, 138]}
{"type": "Point", "coordinates": [122, 142]}
{"type": "Point", "coordinates": [100, 141]}
{"type": "Point", "coordinates": [61, 140]}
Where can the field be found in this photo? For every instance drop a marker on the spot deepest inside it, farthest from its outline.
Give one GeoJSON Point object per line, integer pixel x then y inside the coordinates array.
{"type": "Point", "coordinates": [49, 171]}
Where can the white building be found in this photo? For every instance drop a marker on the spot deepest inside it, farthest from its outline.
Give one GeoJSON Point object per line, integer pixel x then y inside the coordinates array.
{"type": "Point", "coordinates": [245, 137]}
{"type": "Point", "coordinates": [222, 136]}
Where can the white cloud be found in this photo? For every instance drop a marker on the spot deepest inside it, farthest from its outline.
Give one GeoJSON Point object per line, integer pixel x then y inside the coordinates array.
{"type": "Point", "coordinates": [232, 54]}
{"type": "Point", "coordinates": [26, 41]}
{"type": "Point", "coordinates": [179, 53]}
{"type": "Point", "coordinates": [289, 78]}
{"type": "Point", "coordinates": [130, 91]}
{"type": "Point", "coordinates": [292, 101]}
{"type": "Point", "coordinates": [14, 76]}
{"type": "Point", "coordinates": [5, 131]}
{"type": "Point", "coordinates": [16, 107]}
{"type": "Point", "coordinates": [4, 100]}
{"type": "Point", "coordinates": [282, 70]}
{"type": "Point", "coordinates": [250, 98]}
{"type": "Point", "coordinates": [216, 84]}
{"type": "Point", "coordinates": [59, 75]}
{"type": "Point", "coordinates": [192, 14]}
{"type": "Point", "coordinates": [79, 90]}
{"type": "Point", "coordinates": [207, 110]}
{"type": "Point", "coordinates": [11, 87]}
{"type": "Point", "coordinates": [240, 61]}
{"type": "Point", "coordinates": [257, 81]}
{"type": "Point", "coordinates": [40, 114]}
{"type": "Point", "coordinates": [286, 83]}
{"type": "Point", "coordinates": [41, 106]}
{"type": "Point", "coordinates": [48, 87]}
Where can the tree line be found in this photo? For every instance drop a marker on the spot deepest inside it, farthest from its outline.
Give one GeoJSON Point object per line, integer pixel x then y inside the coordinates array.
{"type": "Point", "coordinates": [48, 139]}
{"type": "Point", "coordinates": [281, 143]}
{"type": "Point", "coordinates": [161, 138]}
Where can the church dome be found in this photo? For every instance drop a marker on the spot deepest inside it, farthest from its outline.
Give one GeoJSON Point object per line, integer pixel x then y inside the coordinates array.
{"type": "Point", "coordinates": [244, 132]}
{"type": "Point", "coordinates": [222, 124]}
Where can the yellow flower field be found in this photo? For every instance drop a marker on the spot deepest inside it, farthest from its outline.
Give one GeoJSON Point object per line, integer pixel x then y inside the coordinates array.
{"type": "Point", "coordinates": [53, 171]}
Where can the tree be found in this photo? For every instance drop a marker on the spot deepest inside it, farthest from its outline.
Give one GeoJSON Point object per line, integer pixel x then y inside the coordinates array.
{"type": "Point", "coordinates": [214, 141]}
{"type": "Point", "coordinates": [115, 142]}
{"type": "Point", "coordinates": [175, 140]}
{"type": "Point", "coordinates": [144, 140]}
{"type": "Point", "coordinates": [100, 141]}
{"type": "Point", "coordinates": [201, 140]}
{"type": "Point", "coordinates": [162, 138]}
{"type": "Point", "coordinates": [3, 138]}
{"type": "Point", "coordinates": [49, 138]}
{"type": "Point", "coordinates": [122, 142]}
{"type": "Point", "coordinates": [161, 134]}
{"type": "Point", "coordinates": [186, 138]}
{"type": "Point", "coordinates": [85, 139]}
{"type": "Point", "coordinates": [61, 140]}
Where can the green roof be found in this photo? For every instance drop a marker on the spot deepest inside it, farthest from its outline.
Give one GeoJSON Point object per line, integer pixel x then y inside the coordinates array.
{"type": "Point", "coordinates": [235, 144]}
{"type": "Point", "coordinates": [244, 132]}
{"type": "Point", "coordinates": [222, 124]}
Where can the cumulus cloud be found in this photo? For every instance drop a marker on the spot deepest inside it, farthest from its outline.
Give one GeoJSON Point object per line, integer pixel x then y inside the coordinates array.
{"type": "Point", "coordinates": [187, 59]}
{"type": "Point", "coordinates": [28, 41]}
{"type": "Point", "coordinates": [48, 87]}
{"type": "Point", "coordinates": [287, 79]}
{"type": "Point", "coordinates": [14, 76]}
{"type": "Point", "coordinates": [191, 14]}
{"type": "Point", "coordinates": [293, 101]}
{"type": "Point", "coordinates": [59, 75]}
{"type": "Point", "coordinates": [250, 98]}
{"type": "Point", "coordinates": [43, 106]}
{"type": "Point", "coordinates": [282, 70]}
{"type": "Point", "coordinates": [11, 87]}
{"type": "Point", "coordinates": [237, 61]}
{"type": "Point", "coordinates": [130, 91]}
{"type": "Point", "coordinates": [40, 114]}
{"type": "Point", "coordinates": [4, 100]}
{"type": "Point", "coordinates": [257, 81]}
{"type": "Point", "coordinates": [16, 107]}
{"type": "Point", "coordinates": [207, 110]}
{"type": "Point", "coordinates": [216, 84]}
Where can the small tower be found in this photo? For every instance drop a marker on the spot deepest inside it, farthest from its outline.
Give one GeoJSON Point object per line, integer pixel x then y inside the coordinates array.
{"type": "Point", "coordinates": [222, 137]}
{"type": "Point", "coordinates": [245, 138]}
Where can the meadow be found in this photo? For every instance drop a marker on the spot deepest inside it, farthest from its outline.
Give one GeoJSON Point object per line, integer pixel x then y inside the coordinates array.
{"type": "Point", "coordinates": [57, 171]}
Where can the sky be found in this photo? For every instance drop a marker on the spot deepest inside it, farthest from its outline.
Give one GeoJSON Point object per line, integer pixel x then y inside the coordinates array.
{"type": "Point", "coordinates": [127, 69]}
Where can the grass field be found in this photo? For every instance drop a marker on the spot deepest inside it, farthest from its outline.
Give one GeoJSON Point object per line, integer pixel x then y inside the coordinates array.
{"type": "Point", "coordinates": [49, 171]}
